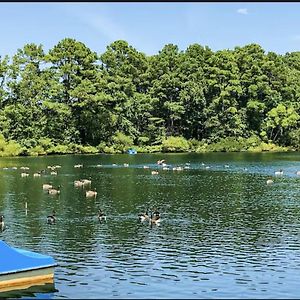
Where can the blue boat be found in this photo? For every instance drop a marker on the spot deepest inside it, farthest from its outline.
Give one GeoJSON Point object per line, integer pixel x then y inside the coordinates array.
{"type": "Point", "coordinates": [132, 151]}
{"type": "Point", "coordinates": [19, 267]}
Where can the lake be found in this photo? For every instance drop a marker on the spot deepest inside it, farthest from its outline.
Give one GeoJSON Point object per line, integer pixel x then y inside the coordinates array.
{"type": "Point", "coordinates": [224, 233]}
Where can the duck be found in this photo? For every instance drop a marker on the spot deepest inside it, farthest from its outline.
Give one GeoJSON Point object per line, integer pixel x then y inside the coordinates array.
{"type": "Point", "coordinates": [270, 181]}
{"type": "Point", "coordinates": [91, 193]}
{"type": "Point", "coordinates": [47, 186]}
{"type": "Point", "coordinates": [37, 174]}
{"type": "Point", "coordinates": [78, 166]}
{"type": "Point", "coordinates": [2, 225]}
{"type": "Point", "coordinates": [154, 172]}
{"type": "Point", "coordinates": [298, 173]}
{"type": "Point", "coordinates": [24, 174]}
{"type": "Point", "coordinates": [101, 216]}
{"type": "Point", "coordinates": [51, 218]}
{"type": "Point", "coordinates": [144, 217]}
{"type": "Point", "coordinates": [53, 173]}
{"type": "Point", "coordinates": [78, 183]}
{"type": "Point", "coordinates": [86, 181]}
{"type": "Point", "coordinates": [155, 218]}
{"type": "Point", "coordinates": [53, 191]}
{"type": "Point", "coordinates": [278, 173]}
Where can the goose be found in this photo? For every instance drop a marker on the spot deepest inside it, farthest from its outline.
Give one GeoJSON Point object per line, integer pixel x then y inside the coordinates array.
{"type": "Point", "coordinates": [51, 218]}
{"type": "Point", "coordinates": [86, 181]}
{"type": "Point", "coordinates": [101, 216]}
{"type": "Point", "coordinates": [53, 191]}
{"type": "Point", "coordinates": [47, 186]}
{"type": "Point", "coordinates": [24, 168]}
{"type": "Point", "coordinates": [78, 183]}
{"type": "Point", "coordinates": [155, 218]}
{"type": "Point", "coordinates": [144, 217]}
{"type": "Point", "coordinates": [91, 193]}
{"type": "Point", "coordinates": [161, 161]}
{"type": "Point", "coordinates": [278, 173]}
{"type": "Point", "coordinates": [270, 181]}
{"type": "Point", "coordinates": [2, 223]}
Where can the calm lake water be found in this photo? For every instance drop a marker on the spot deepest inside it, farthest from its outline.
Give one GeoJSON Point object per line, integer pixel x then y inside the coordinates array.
{"type": "Point", "coordinates": [224, 232]}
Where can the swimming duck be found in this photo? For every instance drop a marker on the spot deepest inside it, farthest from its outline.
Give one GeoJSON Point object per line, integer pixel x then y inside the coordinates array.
{"type": "Point", "coordinates": [53, 191]}
{"type": "Point", "coordinates": [2, 223]}
{"type": "Point", "coordinates": [51, 218]}
{"type": "Point", "coordinates": [144, 217]}
{"type": "Point", "coordinates": [78, 183]}
{"type": "Point", "coordinates": [91, 193]}
{"type": "Point", "coordinates": [278, 173]}
{"type": "Point", "coordinates": [155, 218]}
{"type": "Point", "coordinates": [47, 186]}
{"type": "Point", "coordinates": [298, 173]}
{"type": "Point", "coordinates": [101, 216]}
{"type": "Point", "coordinates": [86, 181]}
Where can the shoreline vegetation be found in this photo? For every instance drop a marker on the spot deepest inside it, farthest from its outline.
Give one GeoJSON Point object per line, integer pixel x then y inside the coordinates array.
{"type": "Point", "coordinates": [72, 100]}
{"type": "Point", "coordinates": [170, 145]}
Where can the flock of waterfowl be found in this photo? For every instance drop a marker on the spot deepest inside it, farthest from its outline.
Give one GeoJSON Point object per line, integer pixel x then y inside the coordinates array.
{"type": "Point", "coordinates": [153, 217]}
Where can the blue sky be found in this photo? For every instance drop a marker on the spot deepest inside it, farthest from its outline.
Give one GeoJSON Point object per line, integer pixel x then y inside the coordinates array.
{"type": "Point", "coordinates": [150, 26]}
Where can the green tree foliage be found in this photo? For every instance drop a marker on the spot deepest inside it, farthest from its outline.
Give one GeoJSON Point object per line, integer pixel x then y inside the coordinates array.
{"type": "Point", "coordinates": [72, 100]}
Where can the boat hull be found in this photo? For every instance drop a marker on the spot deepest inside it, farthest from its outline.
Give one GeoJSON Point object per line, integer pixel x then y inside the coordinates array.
{"type": "Point", "coordinates": [26, 278]}
{"type": "Point", "coordinates": [19, 267]}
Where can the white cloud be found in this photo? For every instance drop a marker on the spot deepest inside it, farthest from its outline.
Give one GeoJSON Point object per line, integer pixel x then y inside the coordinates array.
{"type": "Point", "coordinates": [243, 11]}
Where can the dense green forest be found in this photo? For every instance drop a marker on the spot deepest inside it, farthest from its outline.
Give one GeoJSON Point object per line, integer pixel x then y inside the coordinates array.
{"type": "Point", "coordinates": [73, 100]}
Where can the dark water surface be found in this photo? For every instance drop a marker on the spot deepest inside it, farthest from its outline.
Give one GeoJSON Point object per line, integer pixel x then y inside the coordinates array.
{"type": "Point", "coordinates": [224, 232]}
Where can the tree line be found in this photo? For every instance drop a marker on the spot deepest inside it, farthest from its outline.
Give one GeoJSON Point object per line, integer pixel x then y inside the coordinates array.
{"type": "Point", "coordinates": [71, 99]}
